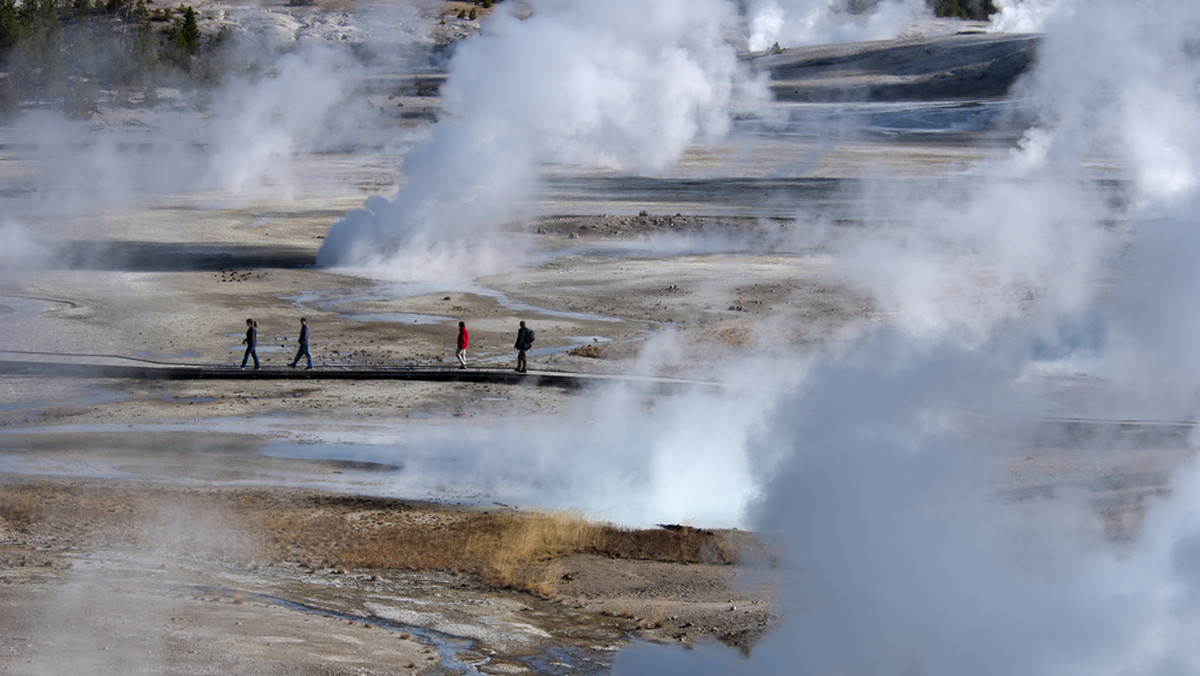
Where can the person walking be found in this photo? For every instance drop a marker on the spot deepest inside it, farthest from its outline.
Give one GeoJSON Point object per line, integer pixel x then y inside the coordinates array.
{"type": "Point", "coordinates": [302, 350]}
{"type": "Point", "coordinates": [251, 342]}
{"type": "Point", "coordinates": [463, 339]}
{"type": "Point", "coordinates": [524, 342]}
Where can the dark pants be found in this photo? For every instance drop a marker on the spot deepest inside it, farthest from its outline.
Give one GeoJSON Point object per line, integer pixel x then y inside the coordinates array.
{"type": "Point", "coordinates": [302, 352]}
{"type": "Point", "coordinates": [250, 352]}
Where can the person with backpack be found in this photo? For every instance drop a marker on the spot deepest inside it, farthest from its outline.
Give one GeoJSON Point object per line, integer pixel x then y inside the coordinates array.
{"type": "Point", "coordinates": [524, 342]}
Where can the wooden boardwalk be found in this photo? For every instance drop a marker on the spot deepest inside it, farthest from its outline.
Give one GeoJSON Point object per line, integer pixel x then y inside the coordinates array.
{"type": "Point", "coordinates": [113, 366]}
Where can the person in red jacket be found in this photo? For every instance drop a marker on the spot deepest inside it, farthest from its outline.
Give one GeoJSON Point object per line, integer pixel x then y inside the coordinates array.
{"type": "Point", "coordinates": [463, 338]}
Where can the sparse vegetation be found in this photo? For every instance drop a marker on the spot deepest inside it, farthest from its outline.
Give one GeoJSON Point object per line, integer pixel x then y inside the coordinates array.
{"type": "Point", "coordinates": [75, 51]}
{"type": "Point", "coordinates": [736, 335]}
{"type": "Point", "coordinates": [590, 351]}
{"type": "Point", "coordinates": [467, 10]}
{"type": "Point", "coordinates": [507, 550]}
{"type": "Point", "coordinates": [504, 549]}
{"type": "Point", "coordinates": [606, 351]}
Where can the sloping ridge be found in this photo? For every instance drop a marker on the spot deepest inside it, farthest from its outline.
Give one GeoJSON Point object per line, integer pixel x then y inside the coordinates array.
{"type": "Point", "coordinates": [965, 66]}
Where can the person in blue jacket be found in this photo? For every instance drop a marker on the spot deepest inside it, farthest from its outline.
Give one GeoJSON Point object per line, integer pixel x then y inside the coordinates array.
{"type": "Point", "coordinates": [302, 351]}
{"type": "Point", "coordinates": [251, 342]}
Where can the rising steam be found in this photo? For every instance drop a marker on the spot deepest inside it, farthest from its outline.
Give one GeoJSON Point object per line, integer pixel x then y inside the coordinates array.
{"type": "Point", "coordinates": [796, 23]}
{"type": "Point", "coordinates": [861, 464]}
{"type": "Point", "coordinates": [1026, 16]}
{"type": "Point", "coordinates": [620, 84]}
{"type": "Point", "coordinates": [902, 560]}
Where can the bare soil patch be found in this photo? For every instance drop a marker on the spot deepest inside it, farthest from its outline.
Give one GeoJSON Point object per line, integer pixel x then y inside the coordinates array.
{"type": "Point", "coordinates": [231, 556]}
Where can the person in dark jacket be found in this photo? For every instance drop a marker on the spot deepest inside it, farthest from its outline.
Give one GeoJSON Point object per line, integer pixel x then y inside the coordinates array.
{"type": "Point", "coordinates": [251, 342]}
{"type": "Point", "coordinates": [302, 350]}
{"type": "Point", "coordinates": [463, 339]}
{"type": "Point", "coordinates": [524, 342]}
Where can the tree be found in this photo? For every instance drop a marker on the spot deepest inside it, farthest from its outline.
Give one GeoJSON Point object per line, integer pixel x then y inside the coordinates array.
{"type": "Point", "coordinates": [188, 32]}
{"type": "Point", "coordinates": [138, 60]}
{"type": "Point", "coordinates": [183, 40]}
{"type": "Point", "coordinates": [10, 27]}
{"type": "Point", "coordinates": [43, 63]}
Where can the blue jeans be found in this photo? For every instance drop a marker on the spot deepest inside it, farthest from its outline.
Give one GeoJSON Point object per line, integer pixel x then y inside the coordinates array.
{"type": "Point", "coordinates": [250, 352]}
{"type": "Point", "coordinates": [303, 352]}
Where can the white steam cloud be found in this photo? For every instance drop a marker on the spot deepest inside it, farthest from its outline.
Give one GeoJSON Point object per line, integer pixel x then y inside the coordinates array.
{"type": "Point", "coordinates": [796, 23]}
{"type": "Point", "coordinates": [1029, 16]}
{"type": "Point", "coordinates": [620, 84]}
{"type": "Point", "coordinates": [902, 562]}
{"type": "Point", "coordinates": [305, 103]}
{"type": "Point", "coordinates": [20, 253]}
{"type": "Point", "coordinates": [242, 138]}
{"type": "Point", "coordinates": [902, 558]}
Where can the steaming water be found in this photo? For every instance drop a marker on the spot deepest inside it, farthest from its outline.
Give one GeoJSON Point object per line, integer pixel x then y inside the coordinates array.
{"type": "Point", "coordinates": [15, 307]}
{"type": "Point", "coordinates": [852, 119]}
{"type": "Point", "coordinates": [906, 561]}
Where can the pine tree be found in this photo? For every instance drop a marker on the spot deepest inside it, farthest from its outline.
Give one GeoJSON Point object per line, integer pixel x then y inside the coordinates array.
{"type": "Point", "coordinates": [189, 32]}
{"type": "Point", "coordinates": [10, 27]}
{"type": "Point", "coordinates": [183, 40]}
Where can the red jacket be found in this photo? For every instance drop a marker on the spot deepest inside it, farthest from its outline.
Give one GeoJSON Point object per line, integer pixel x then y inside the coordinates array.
{"type": "Point", "coordinates": [463, 336]}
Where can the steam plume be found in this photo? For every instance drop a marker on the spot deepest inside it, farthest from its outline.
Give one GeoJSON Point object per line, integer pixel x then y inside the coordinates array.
{"type": "Point", "coordinates": [1028, 16]}
{"type": "Point", "coordinates": [796, 23]}
{"type": "Point", "coordinates": [623, 84]}
{"type": "Point", "coordinates": [904, 561]}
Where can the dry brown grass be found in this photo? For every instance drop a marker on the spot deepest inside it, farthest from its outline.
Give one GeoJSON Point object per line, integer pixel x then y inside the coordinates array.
{"type": "Point", "coordinates": [19, 509]}
{"type": "Point", "coordinates": [605, 351]}
{"type": "Point", "coordinates": [506, 549]}
{"type": "Point", "coordinates": [590, 351]}
{"type": "Point", "coordinates": [736, 335]}
{"type": "Point", "coordinates": [75, 511]}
